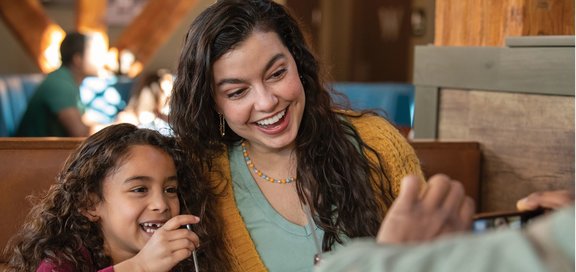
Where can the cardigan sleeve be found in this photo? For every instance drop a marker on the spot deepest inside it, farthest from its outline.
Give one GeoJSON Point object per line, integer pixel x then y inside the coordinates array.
{"type": "Point", "coordinates": [398, 156]}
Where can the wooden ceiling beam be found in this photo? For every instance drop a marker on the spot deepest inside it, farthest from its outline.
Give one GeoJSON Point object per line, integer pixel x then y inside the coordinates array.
{"type": "Point", "coordinates": [152, 27]}
{"type": "Point", "coordinates": [37, 35]}
{"type": "Point", "coordinates": [91, 16]}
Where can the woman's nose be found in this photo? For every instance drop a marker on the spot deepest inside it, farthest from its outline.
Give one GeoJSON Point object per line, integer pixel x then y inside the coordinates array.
{"type": "Point", "coordinates": [266, 100]}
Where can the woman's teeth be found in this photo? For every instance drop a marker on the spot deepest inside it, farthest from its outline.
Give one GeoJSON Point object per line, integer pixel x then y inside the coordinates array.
{"type": "Point", "coordinates": [272, 120]}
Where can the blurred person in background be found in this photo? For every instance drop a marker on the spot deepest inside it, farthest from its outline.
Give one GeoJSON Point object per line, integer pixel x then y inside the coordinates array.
{"type": "Point", "coordinates": [56, 109]}
{"type": "Point", "coordinates": [148, 106]}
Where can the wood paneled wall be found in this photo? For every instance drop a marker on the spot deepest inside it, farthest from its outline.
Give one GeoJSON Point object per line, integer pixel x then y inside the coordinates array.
{"type": "Point", "coordinates": [527, 140]}
{"type": "Point", "coordinates": [489, 22]}
{"type": "Point", "coordinates": [516, 101]}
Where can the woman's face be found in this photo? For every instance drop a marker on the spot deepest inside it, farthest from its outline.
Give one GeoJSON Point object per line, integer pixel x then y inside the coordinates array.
{"type": "Point", "coordinates": [259, 92]}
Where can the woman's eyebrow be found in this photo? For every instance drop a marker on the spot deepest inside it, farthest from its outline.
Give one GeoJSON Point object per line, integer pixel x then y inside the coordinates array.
{"type": "Point", "coordinates": [273, 60]}
{"type": "Point", "coordinates": [269, 64]}
{"type": "Point", "coordinates": [229, 81]}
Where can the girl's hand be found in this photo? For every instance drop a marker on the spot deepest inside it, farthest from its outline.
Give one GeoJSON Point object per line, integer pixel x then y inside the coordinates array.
{"type": "Point", "coordinates": [442, 208]}
{"type": "Point", "coordinates": [168, 246]}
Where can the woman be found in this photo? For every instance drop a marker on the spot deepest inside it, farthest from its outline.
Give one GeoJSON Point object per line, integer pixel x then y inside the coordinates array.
{"type": "Point", "coordinates": [297, 177]}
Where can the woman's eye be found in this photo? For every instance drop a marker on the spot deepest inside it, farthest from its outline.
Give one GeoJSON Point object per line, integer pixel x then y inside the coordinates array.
{"type": "Point", "coordinates": [237, 93]}
{"type": "Point", "coordinates": [278, 74]}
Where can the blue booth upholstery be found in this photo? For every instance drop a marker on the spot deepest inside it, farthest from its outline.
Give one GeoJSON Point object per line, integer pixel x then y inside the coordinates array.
{"type": "Point", "coordinates": [103, 97]}
{"type": "Point", "coordinates": [15, 91]}
{"type": "Point", "coordinates": [393, 100]}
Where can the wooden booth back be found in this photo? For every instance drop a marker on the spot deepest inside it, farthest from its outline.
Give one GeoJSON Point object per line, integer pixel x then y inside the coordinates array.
{"type": "Point", "coordinates": [30, 165]}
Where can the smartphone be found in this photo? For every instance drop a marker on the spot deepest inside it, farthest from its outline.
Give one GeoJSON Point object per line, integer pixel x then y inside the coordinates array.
{"type": "Point", "coordinates": [504, 220]}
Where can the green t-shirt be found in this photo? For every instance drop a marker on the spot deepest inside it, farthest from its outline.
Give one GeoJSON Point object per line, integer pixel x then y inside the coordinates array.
{"type": "Point", "coordinates": [57, 92]}
{"type": "Point", "coordinates": [281, 244]}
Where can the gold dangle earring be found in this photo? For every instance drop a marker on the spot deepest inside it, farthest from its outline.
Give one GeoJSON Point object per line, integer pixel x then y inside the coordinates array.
{"type": "Point", "coordinates": [222, 125]}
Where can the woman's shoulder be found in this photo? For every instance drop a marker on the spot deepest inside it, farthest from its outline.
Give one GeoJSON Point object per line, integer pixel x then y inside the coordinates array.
{"type": "Point", "coordinates": [371, 125]}
{"type": "Point", "coordinates": [398, 156]}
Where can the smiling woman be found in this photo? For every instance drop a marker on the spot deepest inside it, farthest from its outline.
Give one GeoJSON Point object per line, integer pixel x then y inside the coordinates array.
{"type": "Point", "coordinates": [249, 105]}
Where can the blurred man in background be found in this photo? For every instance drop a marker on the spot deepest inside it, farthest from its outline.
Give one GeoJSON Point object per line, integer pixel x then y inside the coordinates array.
{"type": "Point", "coordinates": [55, 109]}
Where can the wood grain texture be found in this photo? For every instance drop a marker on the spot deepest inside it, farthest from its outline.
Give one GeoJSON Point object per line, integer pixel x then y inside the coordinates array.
{"type": "Point", "coordinates": [540, 70]}
{"type": "Point", "coordinates": [91, 16]}
{"type": "Point", "coordinates": [461, 161]}
{"type": "Point", "coordinates": [28, 166]}
{"type": "Point", "coordinates": [527, 140]}
{"type": "Point", "coordinates": [489, 22]}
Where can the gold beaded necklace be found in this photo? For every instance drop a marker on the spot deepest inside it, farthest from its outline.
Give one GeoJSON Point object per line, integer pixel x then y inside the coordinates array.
{"type": "Point", "coordinates": [258, 172]}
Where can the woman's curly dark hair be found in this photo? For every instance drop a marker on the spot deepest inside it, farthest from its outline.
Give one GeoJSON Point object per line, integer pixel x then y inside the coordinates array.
{"type": "Point", "coordinates": [332, 169]}
{"type": "Point", "coordinates": [56, 229]}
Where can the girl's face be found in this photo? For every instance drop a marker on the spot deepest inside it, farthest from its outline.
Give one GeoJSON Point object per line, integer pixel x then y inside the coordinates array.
{"type": "Point", "coordinates": [259, 92]}
{"type": "Point", "coordinates": [139, 197]}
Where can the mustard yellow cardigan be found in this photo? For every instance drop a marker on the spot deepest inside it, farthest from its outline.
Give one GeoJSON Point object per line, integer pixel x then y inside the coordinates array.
{"type": "Point", "coordinates": [398, 157]}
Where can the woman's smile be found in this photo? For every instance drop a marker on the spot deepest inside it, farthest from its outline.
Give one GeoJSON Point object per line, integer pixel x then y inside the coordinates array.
{"type": "Point", "coordinates": [275, 124]}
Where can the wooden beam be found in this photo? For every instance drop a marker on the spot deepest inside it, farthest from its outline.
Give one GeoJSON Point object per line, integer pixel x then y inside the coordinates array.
{"type": "Point", "coordinates": [152, 27]}
{"type": "Point", "coordinates": [39, 36]}
{"type": "Point", "coordinates": [91, 16]}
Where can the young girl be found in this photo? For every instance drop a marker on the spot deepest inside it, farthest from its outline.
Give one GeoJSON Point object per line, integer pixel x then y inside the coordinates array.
{"type": "Point", "coordinates": [118, 205]}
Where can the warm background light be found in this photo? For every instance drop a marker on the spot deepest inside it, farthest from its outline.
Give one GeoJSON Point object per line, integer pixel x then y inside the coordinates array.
{"type": "Point", "coordinates": [49, 58]}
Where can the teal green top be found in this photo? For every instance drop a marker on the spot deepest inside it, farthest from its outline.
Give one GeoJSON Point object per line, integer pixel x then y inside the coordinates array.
{"type": "Point", "coordinates": [282, 245]}
{"type": "Point", "coordinates": [57, 92]}
{"type": "Point", "coordinates": [546, 245]}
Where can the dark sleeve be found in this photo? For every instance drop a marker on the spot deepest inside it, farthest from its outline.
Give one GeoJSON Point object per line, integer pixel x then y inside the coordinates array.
{"type": "Point", "coordinates": [49, 266]}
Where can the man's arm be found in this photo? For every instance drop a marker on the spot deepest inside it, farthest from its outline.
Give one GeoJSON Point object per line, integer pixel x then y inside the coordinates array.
{"type": "Point", "coordinates": [71, 119]}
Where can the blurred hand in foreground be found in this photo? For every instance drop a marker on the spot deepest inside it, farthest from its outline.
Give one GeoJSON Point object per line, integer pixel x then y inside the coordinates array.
{"type": "Point", "coordinates": [546, 200]}
{"type": "Point", "coordinates": [441, 208]}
